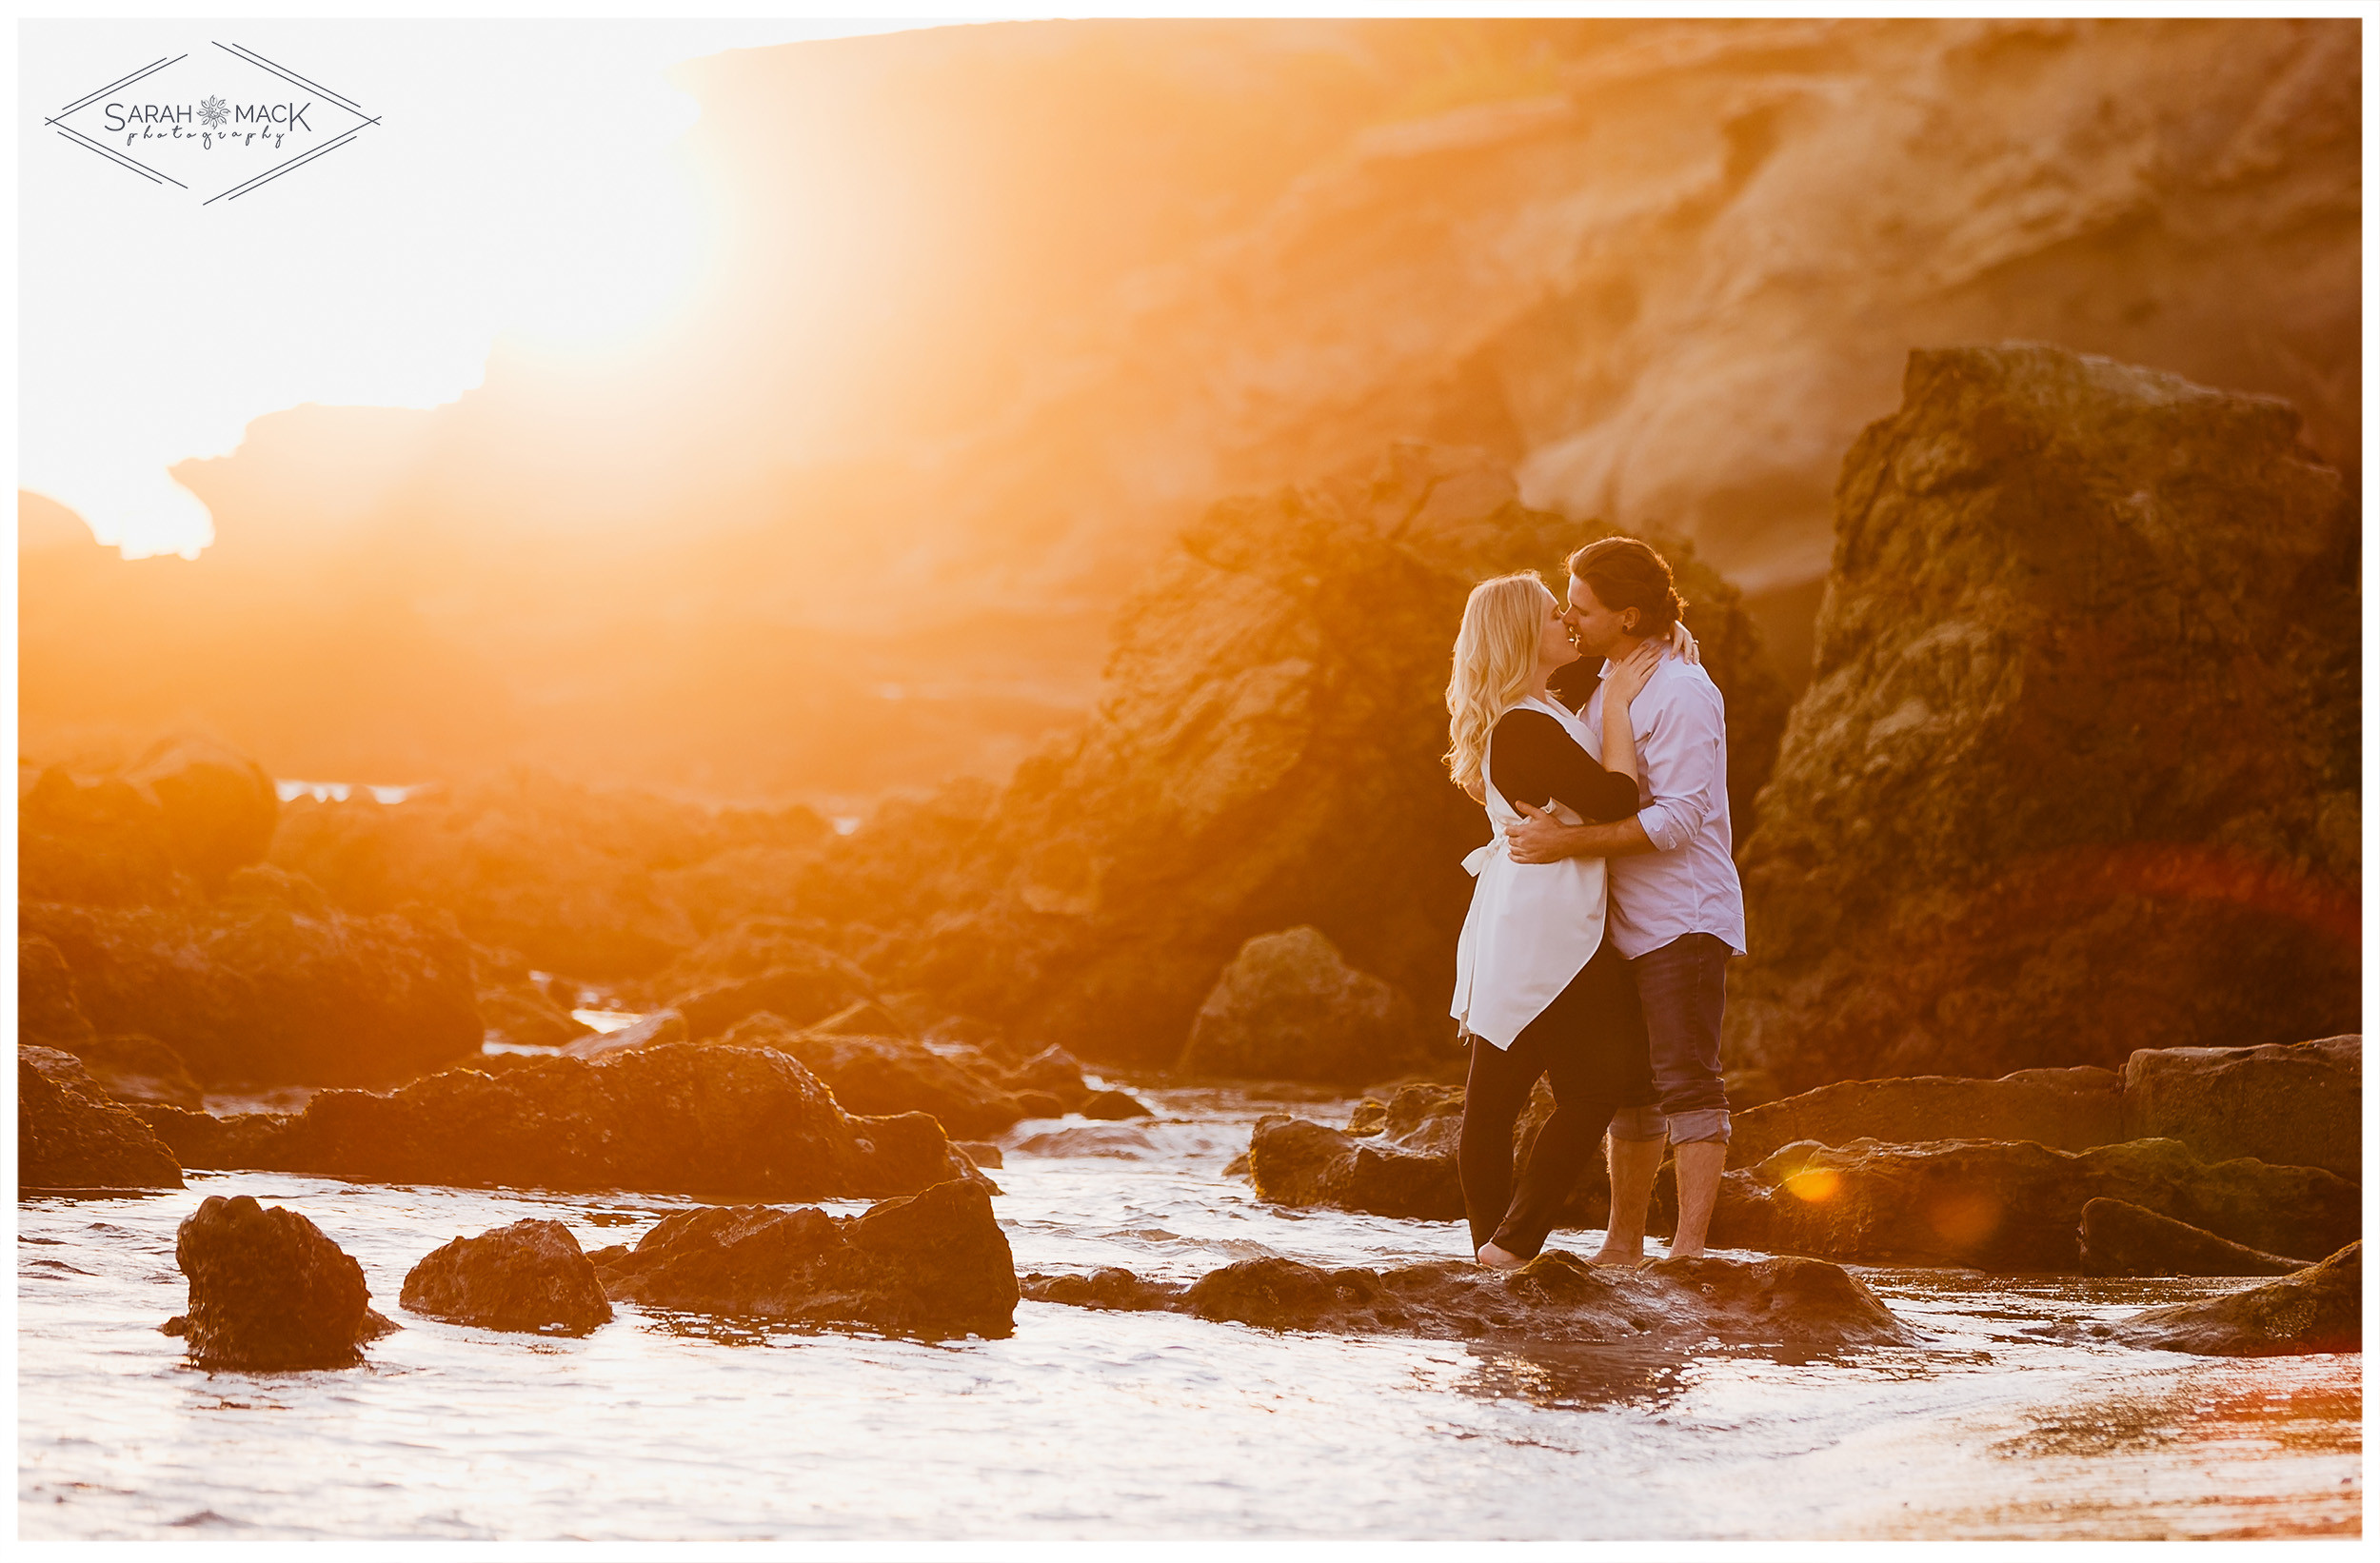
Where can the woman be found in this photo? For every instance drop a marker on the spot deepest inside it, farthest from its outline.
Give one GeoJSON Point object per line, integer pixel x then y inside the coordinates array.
{"type": "Point", "coordinates": [1535, 988]}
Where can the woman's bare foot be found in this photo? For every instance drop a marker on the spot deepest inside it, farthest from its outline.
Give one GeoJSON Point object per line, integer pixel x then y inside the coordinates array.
{"type": "Point", "coordinates": [1498, 1259]}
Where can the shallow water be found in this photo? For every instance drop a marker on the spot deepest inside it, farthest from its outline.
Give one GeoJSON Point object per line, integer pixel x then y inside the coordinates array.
{"type": "Point", "coordinates": [1086, 1424]}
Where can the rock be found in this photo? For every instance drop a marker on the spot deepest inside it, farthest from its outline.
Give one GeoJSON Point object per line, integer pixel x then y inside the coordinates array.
{"type": "Point", "coordinates": [528, 1276]}
{"type": "Point", "coordinates": [1370, 1117]}
{"type": "Point", "coordinates": [139, 1070]}
{"type": "Point", "coordinates": [269, 1292]}
{"type": "Point", "coordinates": [219, 806]}
{"type": "Point", "coordinates": [1262, 756]}
{"type": "Point", "coordinates": [1110, 1288]}
{"type": "Point", "coordinates": [1112, 1105]}
{"type": "Point", "coordinates": [239, 1142]}
{"type": "Point", "coordinates": [517, 1008]}
{"type": "Point", "coordinates": [1115, 1140]}
{"type": "Point", "coordinates": [1750, 1088]}
{"type": "Point", "coordinates": [888, 1074]}
{"type": "Point", "coordinates": [1039, 1104]}
{"type": "Point", "coordinates": [1555, 1296]}
{"type": "Point", "coordinates": [658, 1029]}
{"type": "Point", "coordinates": [48, 1010]}
{"type": "Point", "coordinates": [1294, 1162]}
{"type": "Point", "coordinates": [859, 1018]}
{"type": "Point", "coordinates": [2011, 1206]}
{"type": "Point", "coordinates": [2124, 1239]}
{"type": "Point", "coordinates": [808, 986]}
{"type": "Point", "coordinates": [2300, 1104]}
{"type": "Point", "coordinates": [268, 985]}
{"type": "Point", "coordinates": [981, 1151]}
{"type": "Point", "coordinates": [689, 1119]}
{"type": "Point", "coordinates": [94, 841]}
{"type": "Point", "coordinates": [2036, 560]}
{"type": "Point", "coordinates": [69, 1135]}
{"type": "Point", "coordinates": [2316, 1310]}
{"type": "Point", "coordinates": [1289, 1007]}
{"type": "Point", "coordinates": [934, 1264]}
{"type": "Point", "coordinates": [1053, 1072]}
{"type": "Point", "coordinates": [2069, 1109]}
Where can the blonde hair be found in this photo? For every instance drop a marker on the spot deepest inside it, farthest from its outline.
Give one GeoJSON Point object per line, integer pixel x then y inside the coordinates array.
{"type": "Point", "coordinates": [1495, 661]}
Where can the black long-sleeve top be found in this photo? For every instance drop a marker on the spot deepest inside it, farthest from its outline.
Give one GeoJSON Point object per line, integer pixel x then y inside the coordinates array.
{"type": "Point", "coordinates": [1532, 759]}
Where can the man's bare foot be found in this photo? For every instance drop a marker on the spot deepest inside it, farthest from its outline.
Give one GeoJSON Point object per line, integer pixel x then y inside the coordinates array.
{"type": "Point", "coordinates": [1618, 1251]}
{"type": "Point", "coordinates": [1498, 1259]}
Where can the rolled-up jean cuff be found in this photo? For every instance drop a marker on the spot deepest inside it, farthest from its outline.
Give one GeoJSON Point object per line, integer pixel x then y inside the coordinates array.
{"type": "Point", "coordinates": [1639, 1124]}
{"type": "Point", "coordinates": [1701, 1124]}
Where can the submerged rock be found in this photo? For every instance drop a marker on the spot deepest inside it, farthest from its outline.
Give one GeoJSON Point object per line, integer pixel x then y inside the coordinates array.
{"type": "Point", "coordinates": [689, 1119]}
{"type": "Point", "coordinates": [269, 985]}
{"type": "Point", "coordinates": [69, 1135]}
{"type": "Point", "coordinates": [2036, 560]}
{"type": "Point", "coordinates": [2315, 1309]}
{"type": "Point", "coordinates": [2007, 1205]}
{"type": "Point", "coordinates": [528, 1276]}
{"type": "Point", "coordinates": [933, 1264]}
{"type": "Point", "coordinates": [2124, 1239]}
{"type": "Point", "coordinates": [2067, 1109]}
{"type": "Point", "coordinates": [269, 1292]}
{"type": "Point", "coordinates": [2301, 1104]}
{"type": "Point", "coordinates": [1555, 1296]}
{"type": "Point", "coordinates": [1290, 1007]}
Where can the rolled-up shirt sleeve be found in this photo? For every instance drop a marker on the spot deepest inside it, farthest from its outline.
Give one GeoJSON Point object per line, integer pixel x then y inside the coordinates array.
{"type": "Point", "coordinates": [1684, 761]}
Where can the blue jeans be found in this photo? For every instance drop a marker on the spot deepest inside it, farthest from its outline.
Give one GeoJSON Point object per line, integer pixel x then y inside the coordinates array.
{"type": "Point", "coordinates": [1683, 987]}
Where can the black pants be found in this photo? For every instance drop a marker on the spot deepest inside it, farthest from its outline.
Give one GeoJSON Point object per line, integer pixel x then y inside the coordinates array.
{"type": "Point", "coordinates": [1590, 1041]}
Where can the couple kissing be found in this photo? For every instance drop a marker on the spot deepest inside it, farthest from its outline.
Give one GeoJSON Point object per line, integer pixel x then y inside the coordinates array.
{"type": "Point", "coordinates": [1606, 907]}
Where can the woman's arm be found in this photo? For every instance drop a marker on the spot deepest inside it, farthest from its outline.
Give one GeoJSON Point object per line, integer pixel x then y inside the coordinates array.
{"type": "Point", "coordinates": [1532, 759]}
{"type": "Point", "coordinates": [1620, 689]}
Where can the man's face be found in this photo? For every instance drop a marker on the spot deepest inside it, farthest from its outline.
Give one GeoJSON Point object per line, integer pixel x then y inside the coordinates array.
{"type": "Point", "coordinates": [1595, 629]}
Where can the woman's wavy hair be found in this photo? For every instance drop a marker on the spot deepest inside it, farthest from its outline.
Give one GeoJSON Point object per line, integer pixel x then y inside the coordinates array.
{"type": "Point", "coordinates": [1495, 661]}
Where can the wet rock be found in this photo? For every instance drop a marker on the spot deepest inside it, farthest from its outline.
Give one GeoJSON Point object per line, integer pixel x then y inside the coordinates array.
{"type": "Point", "coordinates": [2300, 1104]}
{"type": "Point", "coordinates": [1111, 1288]}
{"type": "Point", "coordinates": [1555, 1296]}
{"type": "Point", "coordinates": [1294, 1162]}
{"type": "Point", "coordinates": [1039, 1104]}
{"type": "Point", "coordinates": [934, 1264]}
{"type": "Point", "coordinates": [1290, 1007]}
{"type": "Point", "coordinates": [1115, 1140]}
{"type": "Point", "coordinates": [139, 1070]}
{"type": "Point", "coordinates": [48, 1010]}
{"type": "Point", "coordinates": [2011, 1206]}
{"type": "Point", "coordinates": [269, 985]}
{"type": "Point", "coordinates": [2315, 1309]}
{"type": "Point", "coordinates": [2124, 1239]}
{"type": "Point", "coordinates": [1260, 757]}
{"type": "Point", "coordinates": [981, 1151]}
{"type": "Point", "coordinates": [2069, 1109]}
{"type": "Point", "coordinates": [888, 1074]}
{"type": "Point", "coordinates": [1114, 1105]}
{"type": "Point", "coordinates": [809, 985]}
{"type": "Point", "coordinates": [269, 1292]}
{"type": "Point", "coordinates": [2035, 561]}
{"type": "Point", "coordinates": [237, 1142]}
{"type": "Point", "coordinates": [1370, 1117]}
{"type": "Point", "coordinates": [130, 1067]}
{"type": "Point", "coordinates": [689, 1119]}
{"type": "Point", "coordinates": [70, 1135]}
{"type": "Point", "coordinates": [528, 1276]}
{"type": "Point", "coordinates": [1053, 1072]}
{"type": "Point", "coordinates": [658, 1029]}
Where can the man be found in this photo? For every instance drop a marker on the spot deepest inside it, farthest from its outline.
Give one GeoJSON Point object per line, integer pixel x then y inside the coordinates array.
{"type": "Point", "coordinates": [1677, 906]}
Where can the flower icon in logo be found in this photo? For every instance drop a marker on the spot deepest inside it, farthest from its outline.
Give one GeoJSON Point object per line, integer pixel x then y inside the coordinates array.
{"type": "Point", "coordinates": [214, 113]}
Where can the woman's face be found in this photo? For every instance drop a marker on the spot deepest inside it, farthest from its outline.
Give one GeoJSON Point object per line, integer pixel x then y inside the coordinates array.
{"type": "Point", "coordinates": [1554, 645]}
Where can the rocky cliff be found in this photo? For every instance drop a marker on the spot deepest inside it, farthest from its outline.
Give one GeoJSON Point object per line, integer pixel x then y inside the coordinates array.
{"type": "Point", "coordinates": [2078, 769]}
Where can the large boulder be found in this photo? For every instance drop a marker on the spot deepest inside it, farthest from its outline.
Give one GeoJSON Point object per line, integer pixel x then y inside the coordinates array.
{"type": "Point", "coordinates": [691, 1119]}
{"type": "Point", "coordinates": [268, 985]}
{"type": "Point", "coordinates": [1263, 755]}
{"type": "Point", "coordinates": [2012, 1206]}
{"type": "Point", "coordinates": [2020, 819]}
{"type": "Point", "coordinates": [1555, 1296]}
{"type": "Point", "coordinates": [2068, 1109]}
{"type": "Point", "coordinates": [2301, 1104]}
{"type": "Point", "coordinates": [881, 1075]}
{"type": "Point", "coordinates": [1294, 1162]}
{"type": "Point", "coordinates": [528, 1276]}
{"type": "Point", "coordinates": [1289, 1007]}
{"type": "Point", "coordinates": [2123, 1239]}
{"type": "Point", "coordinates": [269, 1292]}
{"type": "Point", "coordinates": [933, 1264]}
{"type": "Point", "coordinates": [70, 1135]}
{"type": "Point", "coordinates": [2316, 1310]}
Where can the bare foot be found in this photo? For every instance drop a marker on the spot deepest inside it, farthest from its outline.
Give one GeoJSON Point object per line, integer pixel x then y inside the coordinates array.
{"type": "Point", "coordinates": [1618, 1251]}
{"type": "Point", "coordinates": [1498, 1259]}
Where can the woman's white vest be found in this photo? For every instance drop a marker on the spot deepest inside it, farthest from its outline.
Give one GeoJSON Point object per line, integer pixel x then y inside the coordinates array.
{"type": "Point", "coordinates": [1532, 926]}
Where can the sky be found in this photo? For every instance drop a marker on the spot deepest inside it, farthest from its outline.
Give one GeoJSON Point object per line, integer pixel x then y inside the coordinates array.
{"type": "Point", "coordinates": [522, 179]}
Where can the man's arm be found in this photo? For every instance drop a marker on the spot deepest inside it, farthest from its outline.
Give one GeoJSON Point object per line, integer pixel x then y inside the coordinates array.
{"type": "Point", "coordinates": [1542, 839]}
